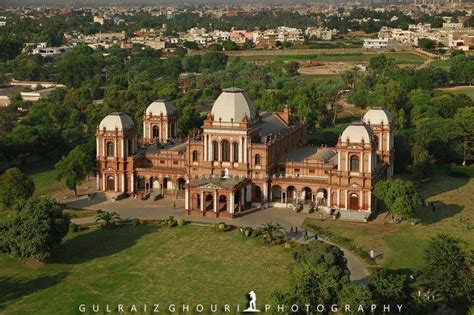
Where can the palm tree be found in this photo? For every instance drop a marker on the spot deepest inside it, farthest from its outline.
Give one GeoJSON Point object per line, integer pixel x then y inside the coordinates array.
{"type": "Point", "coordinates": [108, 219]}
{"type": "Point", "coordinates": [272, 231]}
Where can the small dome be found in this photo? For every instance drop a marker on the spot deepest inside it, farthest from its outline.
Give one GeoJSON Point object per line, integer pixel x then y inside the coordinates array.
{"type": "Point", "coordinates": [357, 132]}
{"type": "Point", "coordinates": [377, 116]}
{"type": "Point", "coordinates": [159, 107]}
{"type": "Point", "coordinates": [233, 105]}
{"type": "Point", "coordinates": [117, 120]}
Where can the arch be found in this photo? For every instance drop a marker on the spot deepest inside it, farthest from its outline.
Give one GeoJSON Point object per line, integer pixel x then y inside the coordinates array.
{"type": "Point", "coordinates": [209, 202]}
{"type": "Point", "coordinates": [156, 132]}
{"type": "Point", "coordinates": [195, 156]}
{"type": "Point", "coordinates": [222, 203]}
{"type": "Point", "coordinates": [257, 193]}
{"type": "Point", "coordinates": [215, 151]}
{"type": "Point", "coordinates": [291, 193]}
{"type": "Point", "coordinates": [307, 194]}
{"type": "Point", "coordinates": [235, 148]}
{"type": "Point", "coordinates": [196, 200]}
{"type": "Point", "coordinates": [276, 193]}
{"type": "Point", "coordinates": [354, 163]}
{"type": "Point", "coordinates": [110, 183]}
{"type": "Point", "coordinates": [225, 146]}
{"type": "Point", "coordinates": [155, 183]}
{"type": "Point", "coordinates": [354, 201]}
{"type": "Point", "coordinates": [321, 196]}
{"type": "Point", "coordinates": [110, 149]}
{"type": "Point", "coordinates": [257, 159]}
{"type": "Point", "coordinates": [181, 184]}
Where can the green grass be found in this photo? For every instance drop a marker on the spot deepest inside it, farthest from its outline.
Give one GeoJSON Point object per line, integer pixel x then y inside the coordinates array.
{"type": "Point", "coordinates": [402, 245]}
{"type": "Point", "coordinates": [400, 58]}
{"type": "Point", "coordinates": [43, 175]}
{"type": "Point", "coordinates": [143, 264]}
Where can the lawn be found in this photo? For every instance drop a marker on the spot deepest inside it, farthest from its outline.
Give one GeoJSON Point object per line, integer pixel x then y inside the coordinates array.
{"type": "Point", "coordinates": [44, 177]}
{"type": "Point", "coordinates": [182, 265]}
{"type": "Point", "coordinates": [468, 90]}
{"type": "Point", "coordinates": [400, 58]}
{"type": "Point", "coordinates": [402, 245]}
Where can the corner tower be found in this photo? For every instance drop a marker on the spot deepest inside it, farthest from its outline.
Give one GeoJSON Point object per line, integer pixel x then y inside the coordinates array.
{"type": "Point", "coordinates": [116, 143]}
{"type": "Point", "coordinates": [381, 123]}
{"type": "Point", "coordinates": [160, 122]}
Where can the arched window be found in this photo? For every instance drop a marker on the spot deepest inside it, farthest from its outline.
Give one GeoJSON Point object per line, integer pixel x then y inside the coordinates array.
{"type": "Point", "coordinates": [156, 132]}
{"type": "Point", "coordinates": [225, 151]}
{"type": "Point", "coordinates": [215, 151]}
{"type": "Point", "coordinates": [110, 149]}
{"type": "Point", "coordinates": [257, 159]}
{"type": "Point", "coordinates": [354, 163]}
{"type": "Point", "coordinates": [195, 156]}
{"type": "Point", "coordinates": [235, 148]}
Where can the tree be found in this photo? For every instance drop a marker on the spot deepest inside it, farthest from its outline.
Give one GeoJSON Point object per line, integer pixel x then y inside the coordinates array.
{"type": "Point", "coordinates": [74, 167]}
{"type": "Point", "coordinates": [230, 45]}
{"type": "Point", "coordinates": [400, 197]}
{"type": "Point", "coordinates": [107, 219]}
{"type": "Point", "coordinates": [213, 61]}
{"type": "Point", "coordinates": [447, 273]}
{"type": "Point", "coordinates": [79, 65]}
{"type": "Point", "coordinates": [427, 44]}
{"type": "Point", "coordinates": [15, 187]}
{"type": "Point", "coordinates": [317, 253]}
{"type": "Point", "coordinates": [422, 161]}
{"type": "Point", "coordinates": [355, 296]}
{"type": "Point", "coordinates": [272, 231]}
{"type": "Point", "coordinates": [389, 287]}
{"type": "Point", "coordinates": [308, 285]}
{"type": "Point", "coordinates": [291, 68]}
{"type": "Point", "coordinates": [190, 45]}
{"type": "Point", "coordinates": [36, 229]}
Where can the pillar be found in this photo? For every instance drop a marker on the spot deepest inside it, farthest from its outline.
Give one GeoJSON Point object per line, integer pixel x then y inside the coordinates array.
{"type": "Point", "coordinates": [264, 192]}
{"type": "Point", "coordinates": [97, 181]}
{"type": "Point", "coordinates": [329, 197]}
{"type": "Point", "coordinates": [202, 201]}
{"type": "Point", "coordinates": [123, 182]}
{"type": "Point", "coordinates": [249, 193]}
{"type": "Point", "coordinates": [345, 199]}
{"type": "Point", "coordinates": [338, 204]}
{"type": "Point", "coordinates": [97, 147]}
{"type": "Point", "coordinates": [361, 200]}
{"type": "Point", "coordinates": [242, 196]}
{"type": "Point", "coordinates": [132, 182]}
{"type": "Point", "coordinates": [116, 183]}
{"type": "Point", "coordinates": [104, 179]}
{"type": "Point", "coordinates": [231, 202]}
{"type": "Point", "coordinates": [186, 199]}
{"type": "Point", "coordinates": [215, 201]}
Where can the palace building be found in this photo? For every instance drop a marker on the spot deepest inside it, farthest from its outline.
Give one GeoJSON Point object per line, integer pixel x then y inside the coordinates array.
{"type": "Point", "coordinates": [243, 160]}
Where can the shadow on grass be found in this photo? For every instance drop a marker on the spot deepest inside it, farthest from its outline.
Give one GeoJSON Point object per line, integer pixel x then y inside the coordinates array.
{"type": "Point", "coordinates": [442, 211]}
{"type": "Point", "coordinates": [100, 243]}
{"type": "Point", "coordinates": [440, 183]}
{"type": "Point", "coordinates": [15, 288]}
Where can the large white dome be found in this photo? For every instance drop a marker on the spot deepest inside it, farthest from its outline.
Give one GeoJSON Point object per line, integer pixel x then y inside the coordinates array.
{"type": "Point", "coordinates": [377, 116]}
{"type": "Point", "coordinates": [357, 132]}
{"type": "Point", "coordinates": [233, 105]}
{"type": "Point", "coordinates": [117, 120]}
{"type": "Point", "coordinates": [159, 107]}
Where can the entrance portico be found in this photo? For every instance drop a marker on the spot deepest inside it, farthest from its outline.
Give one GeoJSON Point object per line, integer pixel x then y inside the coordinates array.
{"type": "Point", "coordinates": [218, 197]}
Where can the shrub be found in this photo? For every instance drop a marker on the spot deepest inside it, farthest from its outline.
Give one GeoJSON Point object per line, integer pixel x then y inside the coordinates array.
{"type": "Point", "coordinates": [287, 246]}
{"type": "Point", "coordinates": [222, 227]}
{"type": "Point", "coordinates": [181, 222]}
{"type": "Point", "coordinates": [247, 231]}
{"type": "Point", "coordinates": [143, 222]}
{"type": "Point", "coordinates": [256, 233]}
{"type": "Point", "coordinates": [73, 227]}
{"type": "Point", "coordinates": [135, 222]}
{"type": "Point", "coordinates": [172, 223]}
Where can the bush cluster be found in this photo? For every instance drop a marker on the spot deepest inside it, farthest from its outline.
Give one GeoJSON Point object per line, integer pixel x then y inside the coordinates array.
{"type": "Point", "coordinates": [341, 241]}
{"type": "Point", "coordinates": [461, 170]}
{"type": "Point", "coordinates": [223, 227]}
{"type": "Point", "coordinates": [171, 222]}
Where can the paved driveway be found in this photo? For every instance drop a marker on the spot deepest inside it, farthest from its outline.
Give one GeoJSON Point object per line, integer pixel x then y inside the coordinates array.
{"type": "Point", "coordinates": [153, 210]}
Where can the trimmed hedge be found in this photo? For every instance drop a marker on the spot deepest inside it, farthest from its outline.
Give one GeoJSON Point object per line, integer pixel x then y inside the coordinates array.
{"type": "Point", "coordinates": [461, 170]}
